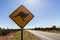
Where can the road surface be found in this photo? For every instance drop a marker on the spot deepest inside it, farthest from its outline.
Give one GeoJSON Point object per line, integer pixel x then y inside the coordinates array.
{"type": "Point", "coordinates": [45, 35]}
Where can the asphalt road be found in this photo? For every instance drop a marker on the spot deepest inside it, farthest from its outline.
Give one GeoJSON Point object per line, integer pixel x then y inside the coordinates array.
{"type": "Point", "coordinates": [45, 35]}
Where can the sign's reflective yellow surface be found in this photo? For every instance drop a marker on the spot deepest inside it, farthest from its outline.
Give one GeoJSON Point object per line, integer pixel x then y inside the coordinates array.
{"type": "Point", "coordinates": [21, 16]}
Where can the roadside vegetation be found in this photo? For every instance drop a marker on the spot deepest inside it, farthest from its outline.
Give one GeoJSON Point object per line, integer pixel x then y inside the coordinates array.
{"type": "Point", "coordinates": [26, 36]}
{"type": "Point", "coordinates": [15, 34]}
{"type": "Point", "coordinates": [53, 29]}
{"type": "Point", "coordinates": [4, 32]}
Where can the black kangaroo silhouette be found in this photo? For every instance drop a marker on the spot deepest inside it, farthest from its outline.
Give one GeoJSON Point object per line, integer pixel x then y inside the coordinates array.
{"type": "Point", "coordinates": [22, 15]}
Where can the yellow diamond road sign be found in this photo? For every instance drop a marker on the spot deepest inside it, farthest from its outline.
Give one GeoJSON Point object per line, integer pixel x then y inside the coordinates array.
{"type": "Point", "coordinates": [21, 16]}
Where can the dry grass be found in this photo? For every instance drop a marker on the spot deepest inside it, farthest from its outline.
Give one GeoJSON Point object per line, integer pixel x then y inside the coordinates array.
{"type": "Point", "coordinates": [26, 36]}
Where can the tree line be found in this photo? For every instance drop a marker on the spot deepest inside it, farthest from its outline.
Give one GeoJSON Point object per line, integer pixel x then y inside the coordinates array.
{"type": "Point", "coordinates": [48, 29]}
{"type": "Point", "coordinates": [4, 32]}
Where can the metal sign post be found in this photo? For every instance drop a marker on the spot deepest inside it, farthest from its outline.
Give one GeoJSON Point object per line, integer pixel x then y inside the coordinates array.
{"type": "Point", "coordinates": [21, 34]}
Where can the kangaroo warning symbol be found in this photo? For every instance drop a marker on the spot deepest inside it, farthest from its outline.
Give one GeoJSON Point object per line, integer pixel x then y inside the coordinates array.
{"type": "Point", "coordinates": [21, 16]}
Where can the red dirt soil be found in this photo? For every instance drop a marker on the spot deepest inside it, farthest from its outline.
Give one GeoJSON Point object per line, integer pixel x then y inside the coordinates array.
{"type": "Point", "coordinates": [3, 37]}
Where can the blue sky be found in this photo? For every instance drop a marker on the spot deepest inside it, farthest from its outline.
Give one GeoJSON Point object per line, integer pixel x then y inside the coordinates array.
{"type": "Point", "coordinates": [46, 12]}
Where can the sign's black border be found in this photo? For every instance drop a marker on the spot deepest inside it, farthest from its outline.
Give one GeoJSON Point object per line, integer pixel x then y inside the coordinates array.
{"type": "Point", "coordinates": [28, 21]}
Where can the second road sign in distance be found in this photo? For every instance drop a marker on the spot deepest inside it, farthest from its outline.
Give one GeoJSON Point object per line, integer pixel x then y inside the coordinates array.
{"type": "Point", "coordinates": [21, 16]}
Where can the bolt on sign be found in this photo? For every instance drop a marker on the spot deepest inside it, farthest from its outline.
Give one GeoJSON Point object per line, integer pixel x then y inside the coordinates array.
{"type": "Point", "coordinates": [21, 16]}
